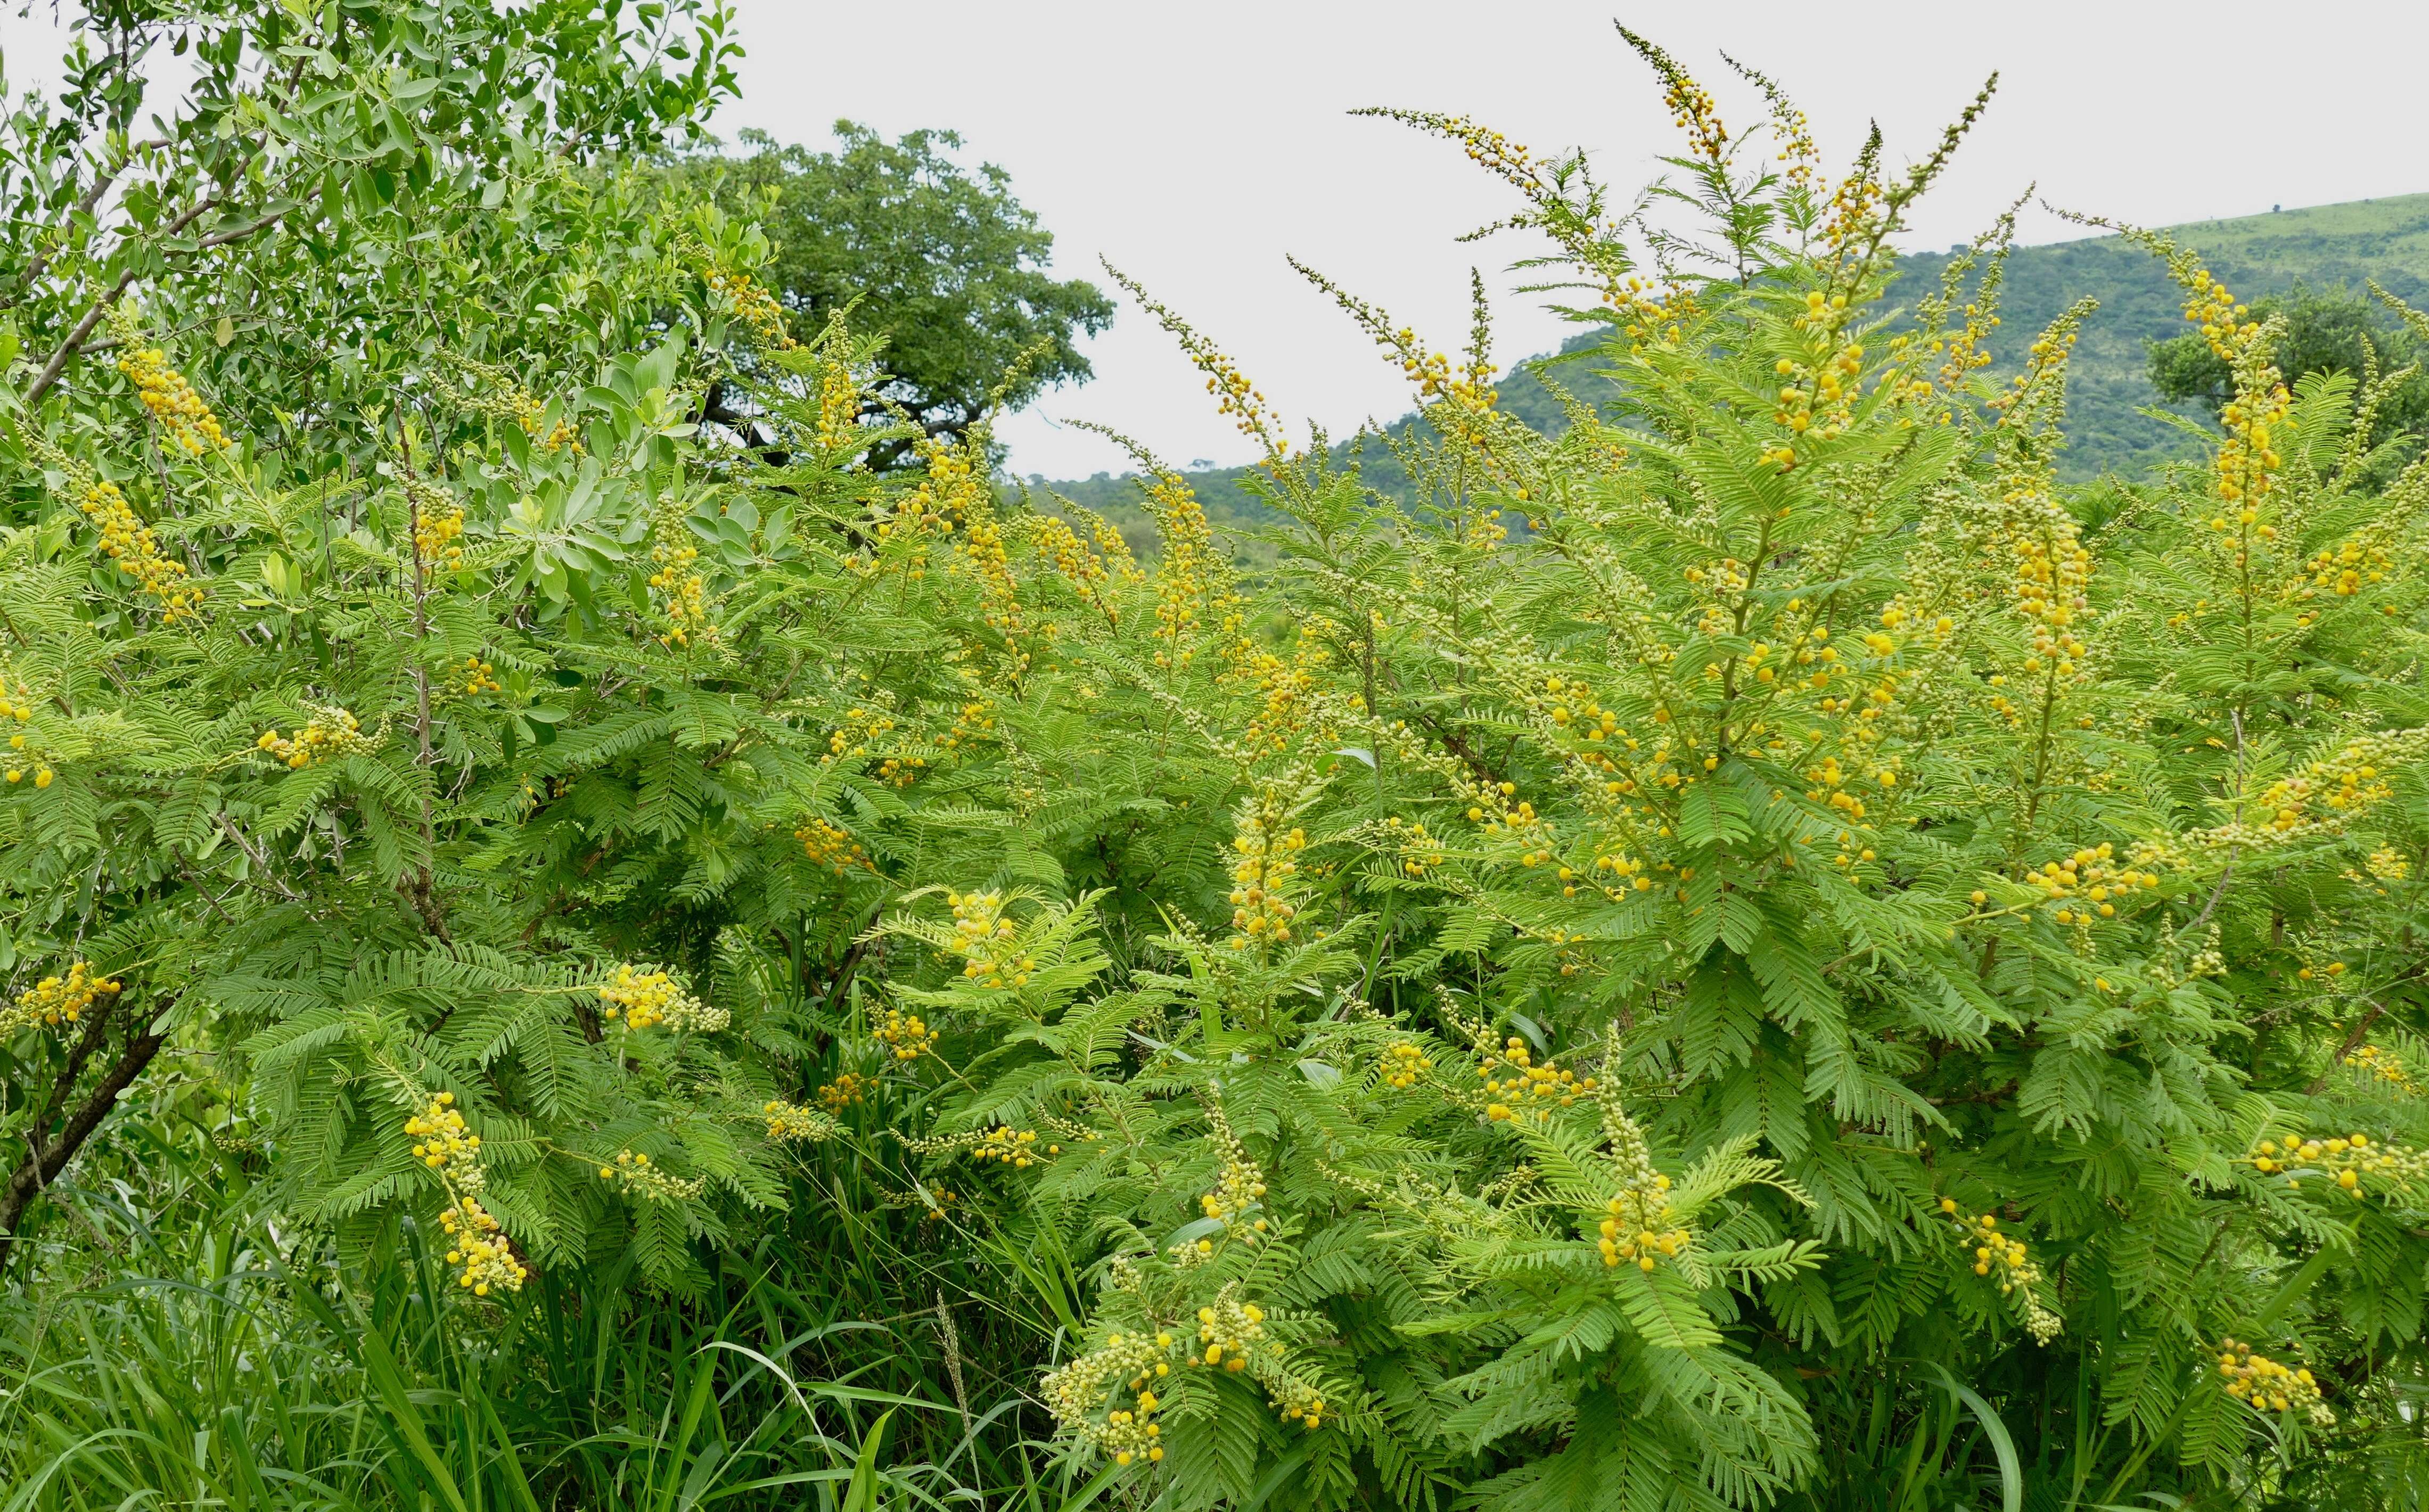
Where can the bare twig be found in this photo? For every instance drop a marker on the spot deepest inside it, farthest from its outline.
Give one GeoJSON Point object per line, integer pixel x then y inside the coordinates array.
{"type": "Point", "coordinates": [260, 862]}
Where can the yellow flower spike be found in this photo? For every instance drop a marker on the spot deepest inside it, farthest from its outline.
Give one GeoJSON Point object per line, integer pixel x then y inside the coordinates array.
{"type": "Point", "coordinates": [438, 525]}
{"type": "Point", "coordinates": [761, 313]}
{"type": "Point", "coordinates": [652, 1182]}
{"type": "Point", "coordinates": [790, 1122]}
{"type": "Point", "coordinates": [2343, 1161]}
{"type": "Point", "coordinates": [330, 735]}
{"type": "Point", "coordinates": [2265, 1384]}
{"type": "Point", "coordinates": [129, 544]}
{"type": "Point", "coordinates": [57, 1000]}
{"type": "Point", "coordinates": [905, 1035]}
{"type": "Point", "coordinates": [188, 427]}
{"type": "Point", "coordinates": [648, 996]}
{"type": "Point", "coordinates": [1990, 1253]}
{"type": "Point", "coordinates": [478, 1247]}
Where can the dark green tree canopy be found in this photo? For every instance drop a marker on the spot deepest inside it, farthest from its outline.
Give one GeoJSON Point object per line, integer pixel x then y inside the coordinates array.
{"type": "Point", "coordinates": [940, 260]}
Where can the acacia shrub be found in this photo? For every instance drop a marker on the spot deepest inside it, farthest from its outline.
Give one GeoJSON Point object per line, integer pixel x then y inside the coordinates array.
{"type": "Point", "coordinates": [1823, 938]}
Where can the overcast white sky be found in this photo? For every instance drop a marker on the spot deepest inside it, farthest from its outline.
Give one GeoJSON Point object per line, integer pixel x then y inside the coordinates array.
{"type": "Point", "coordinates": [1194, 144]}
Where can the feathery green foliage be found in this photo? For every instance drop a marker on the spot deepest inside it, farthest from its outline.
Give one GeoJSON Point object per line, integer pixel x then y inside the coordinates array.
{"type": "Point", "coordinates": [1824, 939]}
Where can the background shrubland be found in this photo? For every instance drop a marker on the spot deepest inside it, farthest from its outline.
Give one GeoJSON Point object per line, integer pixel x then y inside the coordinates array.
{"type": "Point", "coordinates": [599, 917]}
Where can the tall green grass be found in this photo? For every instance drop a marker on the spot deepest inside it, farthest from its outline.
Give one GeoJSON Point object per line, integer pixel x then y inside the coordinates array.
{"type": "Point", "coordinates": [172, 1344]}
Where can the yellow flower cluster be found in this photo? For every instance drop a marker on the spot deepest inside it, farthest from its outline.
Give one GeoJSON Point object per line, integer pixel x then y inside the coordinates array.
{"type": "Point", "coordinates": [852, 739]}
{"type": "Point", "coordinates": [790, 1122]}
{"type": "Point", "coordinates": [1420, 850]}
{"type": "Point", "coordinates": [1639, 304]}
{"type": "Point", "coordinates": [186, 423]}
{"type": "Point", "coordinates": [2345, 568]}
{"type": "Point", "coordinates": [2265, 1386]}
{"type": "Point", "coordinates": [906, 1034]}
{"type": "Point", "coordinates": [478, 1248]}
{"type": "Point", "coordinates": [1469, 386]}
{"type": "Point", "coordinates": [1964, 346]}
{"type": "Point", "coordinates": [447, 1145]}
{"type": "Point", "coordinates": [2090, 876]}
{"type": "Point", "coordinates": [2384, 1066]}
{"type": "Point", "coordinates": [529, 414]}
{"type": "Point", "coordinates": [1108, 1398]}
{"type": "Point", "coordinates": [1692, 109]}
{"type": "Point", "coordinates": [1290, 692]}
{"type": "Point", "coordinates": [975, 722]}
{"type": "Point", "coordinates": [846, 1091]}
{"type": "Point", "coordinates": [55, 1000]}
{"type": "Point", "coordinates": [2221, 320]}
{"type": "Point", "coordinates": [1239, 1186]}
{"type": "Point", "coordinates": [1186, 572]}
{"type": "Point", "coordinates": [331, 732]}
{"type": "Point", "coordinates": [1261, 873]}
{"type": "Point", "coordinates": [1636, 1224]}
{"type": "Point", "coordinates": [1227, 1330]}
{"type": "Point", "coordinates": [1235, 396]}
{"type": "Point", "coordinates": [1490, 149]}
{"type": "Point", "coordinates": [1829, 782]}
{"type": "Point", "coordinates": [1590, 731]}
{"type": "Point", "coordinates": [479, 676]}
{"type": "Point", "coordinates": [1013, 1147]}
{"type": "Point", "coordinates": [637, 1172]}
{"type": "Point", "coordinates": [754, 306]}
{"type": "Point", "coordinates": [2345, 1159]}
{"type": "Point", "coordinates": [438, 525]}
{"type": "Point", "coordinates": [988, 941]}
{"type": "Point", "coordinates": [506, 400]}
{"type": "Point", "coordinates": [2343, 784]}
{"type": "Point", "coordinates": [828, 845]}
{"type": "Point", "coordinates": [838, 408]}
{"type": "Point", "coordinates": [2051, 576]}
{"type": "Point", "coordinates": [129, 542]}
{"type": "Point", "coordinates": [1073, 562]}
{"type": "Point", "coordinates": [1403, 1065]}
{"type": "Point", "coordinates": [1629, 1232]}
{"type": "Point", "coordinates": [999, 589]}
{"type": "Point", "coordinates": [2389, 865]}
{"type": "Point", "coordinates": [1797, 148]}
{"type": "Point", "coordinates": [1826, 409]}
{"type": "Point", "coordinates": [646, 997]}
{"type": "Point", "coordinates": [16, 703]}
{"type": "Point", "coordinates": [2247, 459]}
{"type": "Point", "coordinates": [1297, 1400]}
{"type": "Point", "coordinates": [1855, 210]}
{"type": "Point", "coordinates": [947, 495]}
{"type": "Point", "coordinates": [1994, 1252]}
{"type": "Point", "coordinates": [1076, 1395]}
{"type": "Point", "coordinates": [1510, 1076]}
{"type": "Point", "coordinates": [682, 589]}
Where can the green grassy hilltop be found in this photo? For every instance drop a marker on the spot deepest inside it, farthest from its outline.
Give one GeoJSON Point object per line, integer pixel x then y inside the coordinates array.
{"type": "Point", "coordinates": [2323, 246]}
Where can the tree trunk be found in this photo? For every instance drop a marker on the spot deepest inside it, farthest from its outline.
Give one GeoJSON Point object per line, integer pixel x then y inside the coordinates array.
{"type": "Point", "coordinates": [45, 1160]}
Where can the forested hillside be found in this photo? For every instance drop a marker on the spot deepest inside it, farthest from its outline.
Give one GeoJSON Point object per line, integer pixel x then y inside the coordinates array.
{"type": "Point", "coordinates": [2322, 247]}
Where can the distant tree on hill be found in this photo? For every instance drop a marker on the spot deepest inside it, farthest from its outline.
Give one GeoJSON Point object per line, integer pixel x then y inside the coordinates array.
{"type": "Point", "coordinates": [2331, 330]}
{"type": "Point", "coordinates": [941, 258]}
